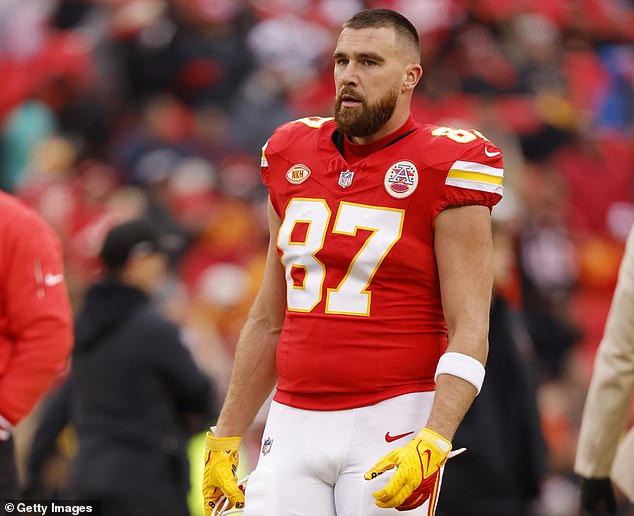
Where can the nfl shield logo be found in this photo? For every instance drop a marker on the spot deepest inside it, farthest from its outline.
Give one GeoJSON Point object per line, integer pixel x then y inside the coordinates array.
{"type": "Point", "coordinates": [266, 447]}
{"type": "Point", "coordinates": [345, 178]}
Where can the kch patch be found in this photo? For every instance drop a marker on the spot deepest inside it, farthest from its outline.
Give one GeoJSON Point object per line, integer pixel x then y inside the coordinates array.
{"type": "Point", "coordinates": [401, 179]}
{"type": "Point", "coordinates": [297, 174]}
{"type": "Point", "coordinates": [345, 178]}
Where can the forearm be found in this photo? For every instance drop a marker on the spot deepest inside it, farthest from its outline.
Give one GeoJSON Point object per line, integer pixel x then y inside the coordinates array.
{"type": "Point", "coordinates": [464, 252]}
{"type": "Point", "coordinates": [254, 373]}
{"type": "Point", "coordinates": [454, 394]}
{"type": "Point", "coordinates": [253, 377]}
{"type": "Point", "coordinates": [452, 400]}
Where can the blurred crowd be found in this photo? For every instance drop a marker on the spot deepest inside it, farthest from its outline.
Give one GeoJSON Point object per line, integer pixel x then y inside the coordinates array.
{"type": "Point", "coordinates": [110, 109]}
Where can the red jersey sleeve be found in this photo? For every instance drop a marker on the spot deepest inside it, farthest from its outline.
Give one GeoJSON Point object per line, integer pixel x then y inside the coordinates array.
{"type": "Point", "coordinates": [274, 162]}
{"type": "Point", "coordinates": [35, 313]}
{"type": "Point", "coordinates": [275, 145]}
{"type": "Point", "coordinates": [473, 170]}
{"type": "Point", "coordinates": [267, 162]}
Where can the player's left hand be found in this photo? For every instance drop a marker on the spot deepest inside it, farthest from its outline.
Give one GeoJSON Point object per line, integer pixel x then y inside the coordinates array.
{"type": "Point", "coordinates": [219, 474]}
{"type": "Point", "coordinates": [418, 466]}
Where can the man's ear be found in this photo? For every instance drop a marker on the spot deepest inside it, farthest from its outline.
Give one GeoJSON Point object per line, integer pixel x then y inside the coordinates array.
{"type": "Point", "coordinates": [411, 76]}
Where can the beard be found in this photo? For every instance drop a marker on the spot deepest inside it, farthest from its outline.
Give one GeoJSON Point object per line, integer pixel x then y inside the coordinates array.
{"type": "Point", "coordinates": [366, 119]}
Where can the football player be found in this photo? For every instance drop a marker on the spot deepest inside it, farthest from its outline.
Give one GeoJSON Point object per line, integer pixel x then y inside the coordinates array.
{"type": "Point", "coordinates": [372, 316]}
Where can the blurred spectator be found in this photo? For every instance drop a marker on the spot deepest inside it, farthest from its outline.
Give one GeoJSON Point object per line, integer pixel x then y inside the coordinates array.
{"type": "Point", "coordinates": [131, 386]}
{"type": "Point", "coordinates": [26, 126]}
{"type": "Point", "coordinates": [35, 323]}
{"type": "Point", "coordinates": [503, 477]}
{"type": "Point", "coordinates": [590, 200]}
{"type": "Point", "coordinates": [192, 48]}
{"type": "Point", "coordinates": [602, 457]}
{"type": "Point", "coordinates": [548, 266]}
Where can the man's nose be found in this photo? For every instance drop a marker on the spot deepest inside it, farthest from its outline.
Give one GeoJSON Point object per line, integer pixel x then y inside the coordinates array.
{"type": "Point", "coordinates": [349, 76]}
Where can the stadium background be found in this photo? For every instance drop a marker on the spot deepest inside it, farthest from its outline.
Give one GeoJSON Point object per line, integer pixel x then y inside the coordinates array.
{"type": "Point", "coordinates": [113, 108]}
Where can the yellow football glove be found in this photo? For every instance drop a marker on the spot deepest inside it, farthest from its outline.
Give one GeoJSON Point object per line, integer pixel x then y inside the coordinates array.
{"type": "Point", "coordinates": [219, 475]}
{"type": "Point", "coordinates": [418, 466]}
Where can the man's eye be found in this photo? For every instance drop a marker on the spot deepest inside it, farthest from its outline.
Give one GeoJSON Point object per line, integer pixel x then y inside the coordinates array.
{"type": "Point", "coordinates": [368, 62]}
{"type": "Point", "coordinates": [341, 62]}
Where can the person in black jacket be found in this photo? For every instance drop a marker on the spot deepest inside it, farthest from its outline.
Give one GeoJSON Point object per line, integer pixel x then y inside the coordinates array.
{"type": "Point", "coordinates": [506, 458]}
{"type": "Point", "coordinates": [131, 385]}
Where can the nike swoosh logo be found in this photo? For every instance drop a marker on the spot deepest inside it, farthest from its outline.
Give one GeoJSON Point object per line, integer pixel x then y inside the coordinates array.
{"type": "Point", "coordinates": [391, 438]}
{"type": "Point", "coordinates": [491, 154]}
{"type": "Point", "coordinates": [427, 453]}
{"type": "Point", "coordinates": [50, 280]}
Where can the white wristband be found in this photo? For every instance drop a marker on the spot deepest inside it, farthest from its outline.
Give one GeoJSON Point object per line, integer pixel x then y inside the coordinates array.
{"type": "Point", "coordinates": [463, 366]}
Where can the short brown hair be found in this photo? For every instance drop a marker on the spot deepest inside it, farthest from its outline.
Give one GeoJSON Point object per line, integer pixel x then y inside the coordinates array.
{"type": "Point", "coordinates": [385, 18]}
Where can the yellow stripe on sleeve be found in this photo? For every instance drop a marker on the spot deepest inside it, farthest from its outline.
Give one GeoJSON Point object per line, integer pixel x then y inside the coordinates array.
{"type": "Point", "coordinates": [475, 176]}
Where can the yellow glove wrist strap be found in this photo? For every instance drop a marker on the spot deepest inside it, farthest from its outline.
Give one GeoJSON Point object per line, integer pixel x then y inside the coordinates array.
{"type": "Point", "coordinates": [222, 443]}
{"type": "Point", "coordinates": [429, 435]}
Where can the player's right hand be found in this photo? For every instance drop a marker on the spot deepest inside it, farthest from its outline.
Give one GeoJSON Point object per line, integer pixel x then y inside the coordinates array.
{"type": "Point", "coordinates": [219, 476]}
{"type": "Point", "coordinates": [417, 476]}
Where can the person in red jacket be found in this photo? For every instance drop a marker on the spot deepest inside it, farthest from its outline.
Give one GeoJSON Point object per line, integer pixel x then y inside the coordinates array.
{"type": "Point", "coordinates": [35, 322]}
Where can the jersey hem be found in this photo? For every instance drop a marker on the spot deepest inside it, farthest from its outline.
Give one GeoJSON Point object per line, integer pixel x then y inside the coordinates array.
{"type": "Point", "coordinates": [320, 401]}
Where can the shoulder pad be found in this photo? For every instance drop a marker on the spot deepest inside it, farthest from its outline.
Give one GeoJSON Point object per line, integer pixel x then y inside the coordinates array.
{"type": "Point", "coordinates": [288, 133]}
{"type": "Point", "coordinates": [470, 160]}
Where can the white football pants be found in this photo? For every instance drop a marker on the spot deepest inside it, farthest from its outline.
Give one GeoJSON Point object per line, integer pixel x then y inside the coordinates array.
{"type": "Point", "coordinates": [312, 462]}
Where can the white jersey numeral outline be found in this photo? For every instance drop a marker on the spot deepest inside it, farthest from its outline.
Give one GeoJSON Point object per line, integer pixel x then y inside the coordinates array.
{"type": "Point", "coordinates": [352, 296]}
{"type": "Point", "coordinates": [314, 122]}
{"type": "Point", "coordinates": [316, 214]}
{"type": "Point", "coordinates": [458, 135]}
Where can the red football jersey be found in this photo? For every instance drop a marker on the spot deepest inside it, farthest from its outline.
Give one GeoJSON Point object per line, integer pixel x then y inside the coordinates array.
{"type": "Point", "coordinates": [364, 319]}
